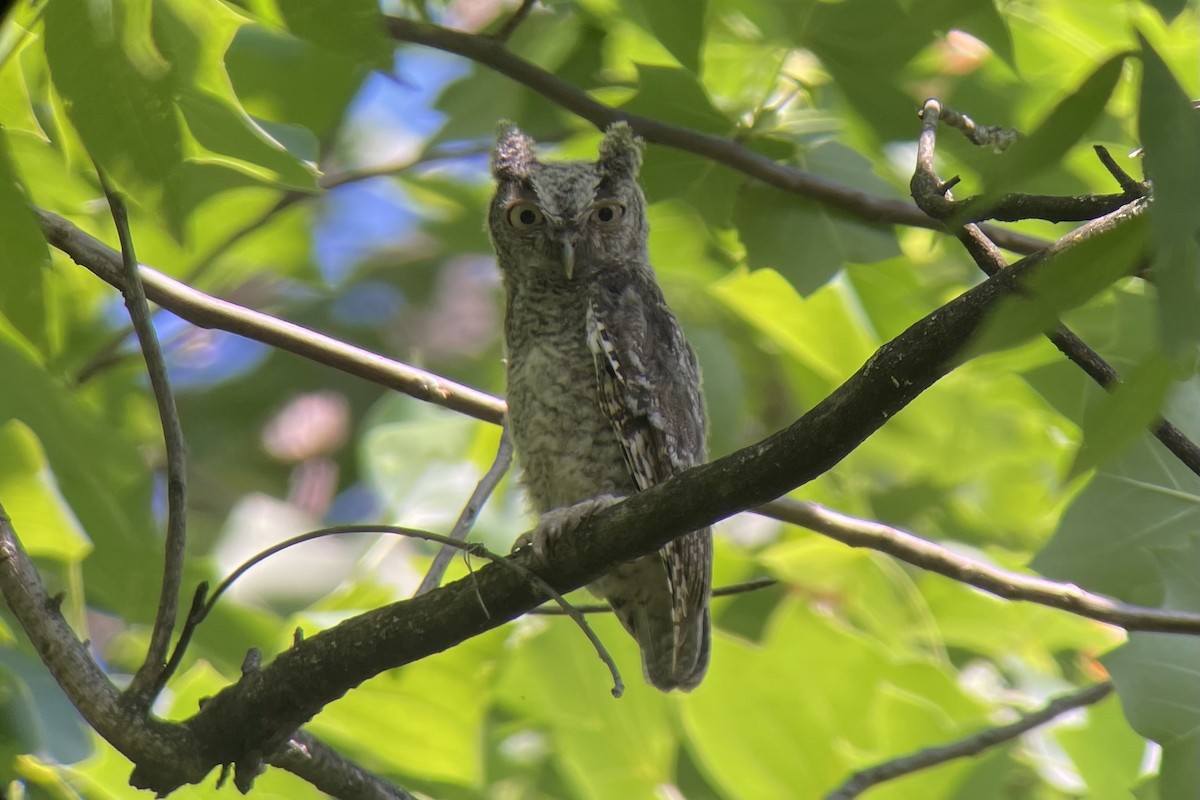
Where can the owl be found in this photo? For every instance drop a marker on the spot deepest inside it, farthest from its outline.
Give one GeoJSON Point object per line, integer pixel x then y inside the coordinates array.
{"type": "Point", "coordinates": [604, 392]}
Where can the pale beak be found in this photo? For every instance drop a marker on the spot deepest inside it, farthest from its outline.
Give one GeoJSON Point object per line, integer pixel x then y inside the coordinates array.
{"type": "Point", "coordinates": [568, 255]}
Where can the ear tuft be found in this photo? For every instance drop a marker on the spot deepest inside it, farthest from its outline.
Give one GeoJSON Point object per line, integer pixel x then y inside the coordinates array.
{"type": "Point", "coordinates": [621, 151]}
{"type": "Point", "coordinates": [513, 153]}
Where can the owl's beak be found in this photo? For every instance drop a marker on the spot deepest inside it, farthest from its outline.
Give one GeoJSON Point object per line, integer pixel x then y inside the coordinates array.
{"type": "Point", "coordinates": [569, 257]}
{"type": "Point", "coordinates": [569, 240]}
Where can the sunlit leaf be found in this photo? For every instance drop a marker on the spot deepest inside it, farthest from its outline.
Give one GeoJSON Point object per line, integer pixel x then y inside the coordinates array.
{"type": "Point", "coordinates": [1169, 127]}
{"type": "Point", "coordinates": [1120, 417]}
{"type": "Point", "coordinates": [1064, 281]}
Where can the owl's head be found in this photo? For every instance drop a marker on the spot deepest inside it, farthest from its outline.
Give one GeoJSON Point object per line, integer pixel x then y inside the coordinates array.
{"type": "Point", "coordinates": [563, 221]}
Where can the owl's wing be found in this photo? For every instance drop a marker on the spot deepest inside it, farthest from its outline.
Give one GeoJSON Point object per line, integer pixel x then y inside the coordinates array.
{"type": "Point", "coordinates": [648, 383]}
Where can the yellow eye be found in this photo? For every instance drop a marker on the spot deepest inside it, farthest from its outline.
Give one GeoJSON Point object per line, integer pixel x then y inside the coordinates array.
{"type": "Point", "coordinates": [525, 216]}
{"type": "Point", "coordinates": [607, 212]}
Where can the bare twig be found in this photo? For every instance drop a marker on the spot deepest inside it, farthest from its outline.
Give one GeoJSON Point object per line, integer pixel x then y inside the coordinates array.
{"type": "Point", "coordinates": [989, 259]}
{"type": "Point", "coordinates": [143, 686]}
{"type": "Point", "coordinates": [307, 757]}
{"type": "Point", "coordinates": [992, 136]}
{"type": "Point", "coordinates": [512, 23]}
{"type": "Point", "coordinates": [207, 311]}
{"type": "Point", "coordinates": [1127, 182]}
{"type": "Point", "coordinates": [862, 780]}
{"type": "Point", "coordinates": [932, 196]}
{"type": "Point", "coordinates": [445, 541]}
{"type": "Point", "coordinates": [466, 519]}
{"type": "Point", "coordinates": [1001, 582]}
{"type": "Point", "coordinates": [869, 208]}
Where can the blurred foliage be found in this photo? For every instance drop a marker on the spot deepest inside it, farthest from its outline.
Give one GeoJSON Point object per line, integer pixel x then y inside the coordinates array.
{"type": "Point", "coordinates": [218, 120]}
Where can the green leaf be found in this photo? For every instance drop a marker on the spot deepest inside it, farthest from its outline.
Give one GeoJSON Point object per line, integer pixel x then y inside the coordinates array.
{"type": "Point", "coordinates": [679, 26]}
{"type": "Point", "coordinates": [800, 326]}
{"type": "Point", "coordinates": [602, 747]}
{"type": "Point", "coordinates": [1169, 128]}
{"type": "Point", "coordinates": [1067, 279]}
{"type": "Point", "coordinates": [1168, 9]}
{"type": "Point", "coordinates": [117, 88]}
{"type": "Point", "coordinates": [1143, 499]}
{"type": "Point", "coordinates": [286, 80]}
{"type": "Point", "coordinates": [112, 501]}
{"type": "Point", "coordinates": [351, 28]}
{"type": "Point", "coordinates": [674, 95]}
{"type": "Point", "coordinates": [196, 35]}
{"type": "Point", "coordinates": [805, 241]}
{"type": "Point", "coordinates": [23, 258]}
{"type": "Point", "coordinates": [47, 526]}
{"type": "Point", "coordinates": [433, 711]}
{"type": "Point", "coordinates": [820, 706]}
{"type": "Point", "coordinates": [38, 711]}
{"type": "Point", "coordinates": [1121, 416]}
{"type": "Point", "coordinates": [1046, 146]}
{"type": "Point", "coordinates": [1106, 752]}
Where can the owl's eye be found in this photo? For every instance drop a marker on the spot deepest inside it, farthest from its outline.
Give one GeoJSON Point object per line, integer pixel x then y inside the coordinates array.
{"type": "Point", "coordinates": [607, 212]}
{"type": "Point", "coordinates": [525, 216]}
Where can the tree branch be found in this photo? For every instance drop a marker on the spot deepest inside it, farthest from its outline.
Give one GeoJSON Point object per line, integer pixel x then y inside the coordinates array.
{"type": "Point", "coordinates": [307, 757]}
{"type": "Point", "coordinates": [860, 781]}
{"type": "Point", "coordinates": [161, 749]}
{"type": "Point", "coordinates": [146, 681]}
{"type": "Point", "coordinates": [265, 706]}
{"type": "Point", "coordinates": [1000, 582]}
{"type": "Point", "coordinates": [207, 311]}
{"type": "Point", "coordinates": [869, 208]}
{"type": "Point", "coordinates": [906, 547]}
{"type": "Point", "coordinates": [466, 519]}
{"type": "Point", "coordinates": [932, 194]}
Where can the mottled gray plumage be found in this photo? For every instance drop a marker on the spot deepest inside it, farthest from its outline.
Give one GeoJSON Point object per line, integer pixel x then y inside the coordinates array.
{"type": "Point", "coordinates": [603, 391]}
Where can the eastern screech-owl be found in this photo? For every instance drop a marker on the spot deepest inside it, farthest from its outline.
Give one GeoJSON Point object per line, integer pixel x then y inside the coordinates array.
{"type": "Point", "coordinates": [603, 391]}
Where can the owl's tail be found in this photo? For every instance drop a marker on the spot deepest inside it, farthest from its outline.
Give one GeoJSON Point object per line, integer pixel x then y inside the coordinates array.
{"type": "Point", "coordinates": [674, 651]}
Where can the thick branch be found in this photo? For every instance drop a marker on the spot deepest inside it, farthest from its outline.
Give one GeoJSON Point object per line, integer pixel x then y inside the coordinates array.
{"type": "Point", "coordinates": [165, 750]}
{"type": "Point", "coordinates": [265, 706]}
{"type": "Point", "coordinates": [869, 208]}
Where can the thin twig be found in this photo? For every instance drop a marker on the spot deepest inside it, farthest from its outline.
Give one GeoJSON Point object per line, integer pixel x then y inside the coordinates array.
{"type": "Point", "coordinates": [1000, 582]}
{"type": "Point", "coordinates": [413, 533]}
{"type": "Point", "coordinates": [992, 136]}
{"type": "Point", "coordinates": [862, 780]}
{"type": "Point", "coordinates": [207, 311]}
{"type": "Point", "coordinates": [466, 519]}
{"type": "Point", "coordinates": [871, 209]}
{"type": "Point", "coordinates": [512, 23]}
{"type": "Point", "coordinates": [604, 608]}
{"type": "Point", "coordinates": [140, 692]}
{"type": "Point", "coordinates": [307, 757]}
{"type": "Point", "coordinates": [1127, 182]}
{"type": "Point", "coordinates": [990, 260]}
{"type": "Point", "coordinates": [932, 197]}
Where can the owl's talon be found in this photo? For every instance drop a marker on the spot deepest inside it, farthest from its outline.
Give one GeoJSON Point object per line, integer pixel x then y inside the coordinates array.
{"type": "Point", "coordinates": [559, 522]}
